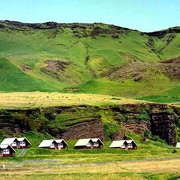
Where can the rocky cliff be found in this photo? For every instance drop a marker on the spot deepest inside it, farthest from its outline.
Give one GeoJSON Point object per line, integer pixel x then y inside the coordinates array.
{"type": "Point", "coordinates": [75, 122]}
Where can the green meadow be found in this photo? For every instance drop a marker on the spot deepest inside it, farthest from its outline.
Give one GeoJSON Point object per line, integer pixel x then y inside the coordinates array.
{"type": "Point", "coordinates": [152, 160]}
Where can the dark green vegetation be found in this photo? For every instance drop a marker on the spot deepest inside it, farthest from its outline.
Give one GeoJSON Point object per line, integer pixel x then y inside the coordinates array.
{"type": "Point", "coordinates": [90, 58]}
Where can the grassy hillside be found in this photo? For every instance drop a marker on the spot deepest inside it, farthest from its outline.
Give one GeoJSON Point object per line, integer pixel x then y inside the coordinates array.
{"type": "Point", "coordinates": [86, 58]}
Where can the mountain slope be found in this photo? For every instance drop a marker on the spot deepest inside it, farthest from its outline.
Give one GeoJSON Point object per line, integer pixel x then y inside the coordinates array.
{"type": "Point", "coordinates": [87, 58]}
{"type": "Point", "coordinates": [13, 79]}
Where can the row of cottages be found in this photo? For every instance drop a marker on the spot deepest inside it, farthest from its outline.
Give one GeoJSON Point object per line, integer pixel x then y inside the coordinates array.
{"type": "Point", "coordinates": [8, 144]}
{"type": "Point", "coordinates": [54, 144]}
{"type": "Point", "coordinates": [62, 144]}
{"type": "Point", "coordinates": [124, 144]}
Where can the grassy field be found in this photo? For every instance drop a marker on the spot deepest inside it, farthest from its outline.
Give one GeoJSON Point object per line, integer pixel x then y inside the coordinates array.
{"type": "Point", "coordinates": [42, 99]}
{"type": "Point", "coordinates": [152, 160]}
{"type": "Point", "coordinates": [167, 169]}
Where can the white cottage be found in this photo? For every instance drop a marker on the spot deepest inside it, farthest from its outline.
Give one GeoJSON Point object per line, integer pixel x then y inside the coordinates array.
{"type": "Point", "coordinates": [6, 150]}
{"type": "Point", "coordinates": [23, 142]}
{"type": "Point", "coordinates": [53, 144]}
{"type": "Point", "coordinates": [124, 144]}
{"type": "Point", "coordinates": [89, 143]}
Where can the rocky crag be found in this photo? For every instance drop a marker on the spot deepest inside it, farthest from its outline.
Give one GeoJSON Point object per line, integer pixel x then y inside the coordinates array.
{"type": "Point", "coordinates": [75, 122]}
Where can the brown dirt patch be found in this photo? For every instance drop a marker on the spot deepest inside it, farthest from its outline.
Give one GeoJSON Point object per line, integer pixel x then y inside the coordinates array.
{"type": "Point", "coordinates": [172, 61]}
{"type": "Point", "coordinates": [57, 65]}
{"type": "Point", "coordinates": [27, 68]}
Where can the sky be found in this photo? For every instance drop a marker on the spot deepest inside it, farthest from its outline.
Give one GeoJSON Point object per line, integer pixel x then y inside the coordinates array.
{"type": "Point", "coordinates": [143, 15]}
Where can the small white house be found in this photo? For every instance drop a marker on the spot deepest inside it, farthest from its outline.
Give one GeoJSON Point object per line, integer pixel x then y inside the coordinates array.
{"type": "Point", "coordinates": [124, 144]}
{"type": "Point", "coordinates": [6, 150]}
{"type": "Point", "coordinates": [97, 142]}
{"type": "Point", "coordinates": [53, 144]}
{"type": "Point", "coordinates": [178, 145]}
{"type": "Point", "coordinates": [17, 142]}
{"type": "Point", "coordinates": [89, 143]}
{"type": "Point", "coordinates": [23, 142]}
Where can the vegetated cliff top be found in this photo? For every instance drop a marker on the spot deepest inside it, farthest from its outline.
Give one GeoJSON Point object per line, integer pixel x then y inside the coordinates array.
{"type": "Point", "coordinates": [52, 24]}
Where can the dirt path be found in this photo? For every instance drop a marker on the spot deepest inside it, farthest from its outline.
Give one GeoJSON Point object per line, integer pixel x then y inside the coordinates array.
{"type": "Point", "coordinates": [23, 152]}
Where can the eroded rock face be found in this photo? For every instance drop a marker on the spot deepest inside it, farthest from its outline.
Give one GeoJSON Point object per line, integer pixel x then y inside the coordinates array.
{"type": "Point", "coordinates": [91, 129]}
{"type": "Point", "coordinates": [162, 123]}
{"type": "Point", "coordinates": [133, 117]}
{"type": "Point", "coordinates": [159, 119]}
{"type": "Point", "coordinates": [74, 122]}
{"type": "Point", "coordinates": [118, 135]}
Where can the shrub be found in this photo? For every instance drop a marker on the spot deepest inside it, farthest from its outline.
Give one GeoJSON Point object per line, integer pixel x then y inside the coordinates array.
{"type": "Point", "coordinates": [110, 128]}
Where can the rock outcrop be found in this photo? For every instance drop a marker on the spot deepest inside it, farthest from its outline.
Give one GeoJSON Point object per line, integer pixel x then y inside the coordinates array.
{"type": "Point", "coordinates": [74, 122]}
{"type": "Point", "coordinates": [90, 129]}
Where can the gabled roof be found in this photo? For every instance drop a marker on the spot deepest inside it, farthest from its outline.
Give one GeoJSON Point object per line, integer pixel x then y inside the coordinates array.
{"type": "Point", "coordinates": [5, 146]}
{"type": "Point", "coordinates": [178, 145]}
{"type": "Point", "coordinates": [60, 141]}
{"type": "Point", "coordinates": [8, 141]}
{"type": "Point", "coordinates": [22, 139]}
{"type": "Point", "coordinates": [117, 143]}
{"type": "Point", "coordinates": [130, 141]}
{"type": "Point", "coordinates": [96, 140]}
{"type": "Point", "coordinates": [83, 142]}
{"type": "Point", "coordinates": [46, 143]}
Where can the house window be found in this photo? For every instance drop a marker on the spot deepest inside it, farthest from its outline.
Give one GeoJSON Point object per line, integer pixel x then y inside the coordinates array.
{"type": "Point", "coordinates": [60, 145]}
{"type": "Point", "coordinates": [6, 151]}
{"type": "Point", "coordinates": [14, 144]}
{"type": "Point", "coordinates": [89, 144]}
{"type": "Point", "coordinates": [22, 143]}
{"type": "Point", "coordinates": [52, 145]}
{"type": "Point", "coordinates": [130, 146]}
{"type": "Point", "coordinates": [96, 144]}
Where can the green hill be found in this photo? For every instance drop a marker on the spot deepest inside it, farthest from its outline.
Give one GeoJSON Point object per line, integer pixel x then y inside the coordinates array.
{"type": "Point", "coordinates": [89, 58]}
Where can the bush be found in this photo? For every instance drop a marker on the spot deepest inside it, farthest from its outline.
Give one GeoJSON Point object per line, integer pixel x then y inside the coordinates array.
{"type": "Point", "coordinates": [110, 128]}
